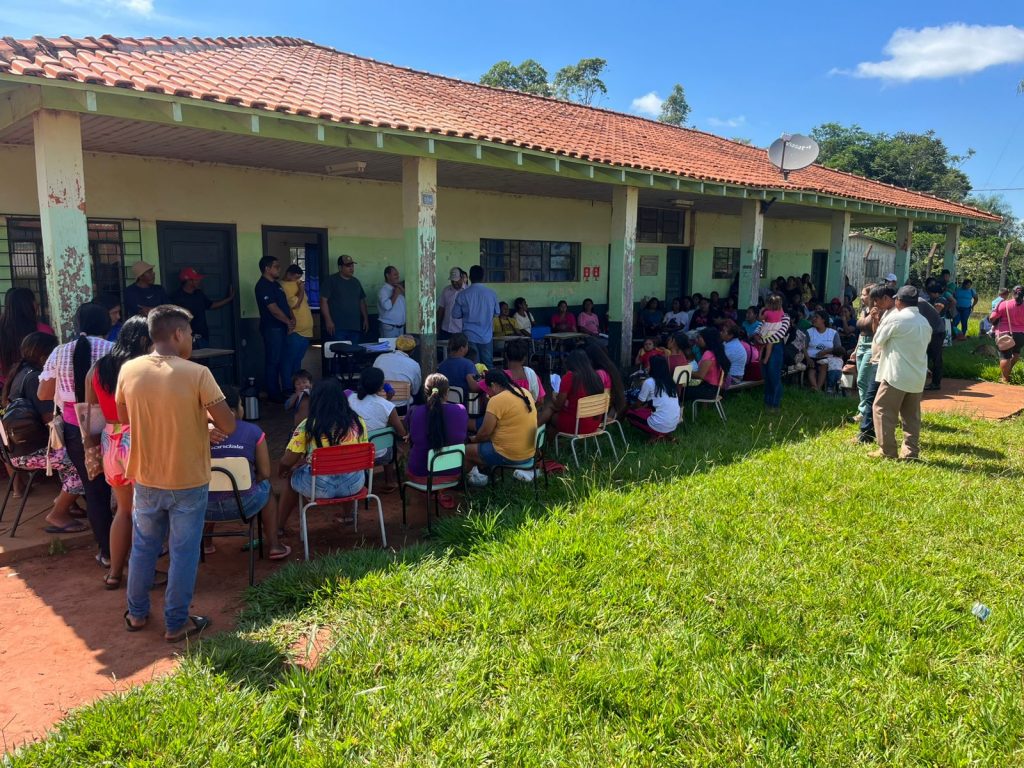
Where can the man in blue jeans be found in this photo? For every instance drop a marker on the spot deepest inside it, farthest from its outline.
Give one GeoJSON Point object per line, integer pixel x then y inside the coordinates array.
{"type": "Point", "coordinates": [166, 401]}
{"type": "Point", "coordinates": [276, 322]}
{"type": "Point", "coordinates": [476, 307]}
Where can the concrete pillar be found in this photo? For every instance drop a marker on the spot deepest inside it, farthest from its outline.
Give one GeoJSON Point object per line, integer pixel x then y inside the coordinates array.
{"type": "Point", "coordinates": [621, 270]}
{"type": "Point", "coordinates": [838, 249]}
{"type": "Point", "coordinates": [419, 229]}
{"type": "Point", "coordinates": [751, 246]}
{"type": "Point", "coordinates": [951, 249]}
{"type": "Point", "coordinates": [60, 181]}
{"type": "Point", "coordinates": [904, 242]}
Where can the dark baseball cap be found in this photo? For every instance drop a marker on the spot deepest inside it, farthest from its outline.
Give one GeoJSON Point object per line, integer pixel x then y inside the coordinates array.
{"type": "Point", "coordinates": [907, 294]}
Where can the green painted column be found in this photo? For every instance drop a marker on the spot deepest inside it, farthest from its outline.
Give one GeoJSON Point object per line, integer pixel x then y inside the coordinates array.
{"type": "Point", "coordinates": [951, 249]}
{"type": "Point", "coordinates": [751, 249]}
{"type": "Point", "coordinates": [419, 227]}
{"type": "Point", "coordinates": [621, 267]}
{"type": "Point", "coordinates": [838, 249]}
{"type": "Point", "coordinates": [904, 242]}
{"type": "Point", "coordinates": [60, 182]}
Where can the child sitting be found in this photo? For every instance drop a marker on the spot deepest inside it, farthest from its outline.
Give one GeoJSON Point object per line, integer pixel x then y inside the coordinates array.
{"type": "Point", "coordinates": [298, 401]}
{"type": "Point", "coordinates": [657, 408]}
{"type": "Point", "coordinates": [647, 351]}
{"type": "Point", "coordinates": [770, 332]}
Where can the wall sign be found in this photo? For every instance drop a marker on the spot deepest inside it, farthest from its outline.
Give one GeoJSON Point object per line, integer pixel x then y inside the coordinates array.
{"type": "Point", "coordinates": [648, 266]}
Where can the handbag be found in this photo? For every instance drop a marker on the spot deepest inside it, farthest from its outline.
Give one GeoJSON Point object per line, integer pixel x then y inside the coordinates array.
{"type": "Point", "coordinates": [1004, 339]}
{"type": "Point", "coordinates": [88, 421]}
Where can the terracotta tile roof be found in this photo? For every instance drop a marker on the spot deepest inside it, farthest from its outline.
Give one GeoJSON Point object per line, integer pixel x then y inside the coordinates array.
{"type": "Point", "coordinates": [295, 76]}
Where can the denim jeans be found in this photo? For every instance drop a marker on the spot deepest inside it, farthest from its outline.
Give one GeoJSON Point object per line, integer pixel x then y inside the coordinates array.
{"type": "Point", "coordinates": [327, 486]}
{"type": "Point", "coordinates": [273, 356]}
{"type": "Point", "coordinates": [772, 370]}
{"type": "Point", "coordinates": [225, 507]}
{"type": "Point", "coordinates": [178, 515]}
{"type": "Point", "coordinates": [865, 376]}
{"type": "Point", "coordinates": [867, 420]}
{"type": "Point", "coordinates": [484, 352]}
{"type": "Point", "coordinates": [295, 346]}
{"type": "Point", "coordinates": [97, 492]}
{"type": "Point", "coordinates": [963, 314]}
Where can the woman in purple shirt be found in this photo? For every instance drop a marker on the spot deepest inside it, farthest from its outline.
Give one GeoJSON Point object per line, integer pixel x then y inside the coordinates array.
{"type": "Point", "coordinates": [434, 426]}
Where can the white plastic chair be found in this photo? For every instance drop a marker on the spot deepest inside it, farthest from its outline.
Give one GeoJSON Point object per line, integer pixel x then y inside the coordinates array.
{"type": "Point", "coordinates": [716, 401]}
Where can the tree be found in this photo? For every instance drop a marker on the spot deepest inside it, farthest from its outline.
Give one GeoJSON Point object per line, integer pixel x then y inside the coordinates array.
{"type": "Point", "coordinates": [917, 161]}
{"type": "Point", "coordinates": [528, 77]}
{"type": "Point", "coordinates": [675, 110]}
{"type": "Point", "coordinates": [580, 82]}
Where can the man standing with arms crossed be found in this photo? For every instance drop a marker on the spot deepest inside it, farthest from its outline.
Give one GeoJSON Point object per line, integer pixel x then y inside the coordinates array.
{"type": "Point", "coordinates": [477, 306]}
{"type": "Point", "coordinates": [343, 304]}
{"type": "Point", "coordinates": [166, 399]}
{"type": "Point", "coordinates": [276, 322]}
{"type": "Point", "coordinates": [391, 305]}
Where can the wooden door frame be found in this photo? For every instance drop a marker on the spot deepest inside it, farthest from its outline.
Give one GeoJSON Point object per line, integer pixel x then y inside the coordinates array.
{"type": "Point", "coordinates": [320, 232]}
{"type": "Point", "coordinates": [231, 230]}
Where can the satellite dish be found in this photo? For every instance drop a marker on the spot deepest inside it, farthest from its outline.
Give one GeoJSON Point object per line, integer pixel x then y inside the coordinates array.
{"type": "Point", "coordinates": [792, 152]}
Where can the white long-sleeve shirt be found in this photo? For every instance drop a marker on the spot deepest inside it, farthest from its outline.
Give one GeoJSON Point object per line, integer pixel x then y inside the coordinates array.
{"type": "Point", "coordinates": [390, 312]}
{"type": "Point", "coordinates": [901, 343]}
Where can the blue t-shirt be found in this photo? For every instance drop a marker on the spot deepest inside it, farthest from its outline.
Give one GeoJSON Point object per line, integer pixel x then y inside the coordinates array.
{"type": "Point", "coordinates": [477, 306]}
{"type": "Point", "coordinates": [965, 298]}
{"type": "Point", "coordinates": [456, 369]}
{"type": "Point", "coordinates": [242, 442]}
{"type": "Point", "coordinates": [269, 293]}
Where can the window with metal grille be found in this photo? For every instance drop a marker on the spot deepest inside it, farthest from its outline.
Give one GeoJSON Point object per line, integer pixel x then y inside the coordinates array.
{"type": "Point", "coordinates": [870, 269]}
{"type": "Point", "coordinates": [659, 225]}
{"type": "Point", "coordinates": [529, 261]}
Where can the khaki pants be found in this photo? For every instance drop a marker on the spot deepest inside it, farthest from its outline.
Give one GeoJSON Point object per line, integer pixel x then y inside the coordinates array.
{"type": "Point", "coordinates": [893, 404]}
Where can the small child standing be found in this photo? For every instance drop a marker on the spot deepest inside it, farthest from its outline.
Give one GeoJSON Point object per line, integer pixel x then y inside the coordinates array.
{"type": "Point", "coordinates": [298, 401]}
{"type": "Point", "coordinates": [770, 331]}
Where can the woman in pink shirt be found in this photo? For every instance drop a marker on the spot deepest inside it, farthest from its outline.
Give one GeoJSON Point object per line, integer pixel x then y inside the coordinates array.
{"type": "Point", "coordinates": [713, 361]}
{"type": "Point", "coordinates": [563, 321]}
{"type": "Point", "coordinates": [588, 322]}
{"type": "Point", "coordinates": [1008, 317]}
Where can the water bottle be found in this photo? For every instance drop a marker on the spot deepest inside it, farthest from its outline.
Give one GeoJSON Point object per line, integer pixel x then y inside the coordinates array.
{"type": "Point", "coordinates": [981, 610]}
{"type": "Point", "coordinates": [251, 400]}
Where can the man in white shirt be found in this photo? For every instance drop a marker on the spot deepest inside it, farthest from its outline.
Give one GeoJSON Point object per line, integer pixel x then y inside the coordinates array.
{"type": "Point", "coordinates": [391, 305]}
{"type": "Point", "coordinates": [398, 366]}
{"type": "Point", "coordinates": [734, 350]}
{"type": "Point", "coordinates": [449, 324]}
{"type": "Point", "coordinates": [901, 344]}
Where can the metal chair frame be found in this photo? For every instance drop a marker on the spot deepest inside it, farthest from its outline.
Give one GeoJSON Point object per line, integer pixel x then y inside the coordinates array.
{"type": "Point", "coordinates": [717, 402]}
{"type": "Point", "coordinates": [223, 477]}
{"type": "Point", "coordinates": [587, 407]}
{"type": "Point", "coordinates": [431, 487]}
{"type": "Point", "coordinates": [5, 455]}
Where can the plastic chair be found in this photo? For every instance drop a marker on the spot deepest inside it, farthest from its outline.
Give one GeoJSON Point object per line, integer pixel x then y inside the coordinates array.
{"type": "Point", "coordinates": [339, 460]}
{"type": "Point", "coordinates": [233, 475]}
{"type": "Point", "coordinates": [403, 394]}
{"type": "Point", "coordinates": [614, 419]}
{"type": "Point", "coordinates": [439, 463]}
{"type": "Point", "coordinates": [535, 464]}
{"type": "Point", "coordinates": [716, 401]}
{"type": "Point", "coordinates": [32, 475]}
{"type": "Point", "coordinates": [587, 407]}
{"type": "Point", "coordinates": [455, 395]}
{"type": "Point", "coordinates": [385, 438]}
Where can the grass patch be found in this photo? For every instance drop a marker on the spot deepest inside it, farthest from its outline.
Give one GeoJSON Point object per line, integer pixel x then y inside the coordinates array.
{"type": "Point", "coordinates": [758, 594]}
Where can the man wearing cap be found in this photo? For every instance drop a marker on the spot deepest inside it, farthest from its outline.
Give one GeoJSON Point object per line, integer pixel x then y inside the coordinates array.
{"type": "Point", "coordinates": [343, 304]}
{"type": "Point", "coordinates": [391, 305]}
{"type": "Point", "coordinates": [891, 280]}
{"type": "Point", "coordinates": [901, 343]}
{"type": "Point", "coordinates": [398, 366]}
{"type": "Point", "coordinates": [191, 297]}
{"type": "Point", "coordinates": [477, 306]}
{"type": "Point", "coordinates": [448, 324]}
{"type": "Point", "coordinates": [142, 295]}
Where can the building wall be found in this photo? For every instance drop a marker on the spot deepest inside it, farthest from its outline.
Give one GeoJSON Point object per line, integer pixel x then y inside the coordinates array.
{"type": "Point", "coordinates": [856, 262]}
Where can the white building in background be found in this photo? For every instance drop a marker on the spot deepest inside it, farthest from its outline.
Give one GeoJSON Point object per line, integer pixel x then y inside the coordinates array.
{"type": "Point", "coordinates": [869, 259]}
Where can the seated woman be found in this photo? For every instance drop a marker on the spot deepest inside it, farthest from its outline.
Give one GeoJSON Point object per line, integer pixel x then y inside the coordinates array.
{"type": "Point", "coordinates": [711, 367]}
{"type": "Point", "coordinates": [678, 348]}
{"type": "Point", "coordinates": [650, 318]}
{"type": "Point", "coordinates": [519, 373]}
{"type": "Point", "coordinates": [247, 442]}
{"type": "Point", "coordinates": [649, 349]}
{"type": "Point", "coordinates": [330, 422]}
{"type": "Point", "coordinates": [657, 409]}
{"type": "Point", "coordinates": [588, 321]}
{"type": "Point", "coordinates": [523, 319]}
{"type": "Point", "coordinates": [563, 321]}
{"type": "Point", "coordinates": [846, 327]}
{"type": "Point", "coordinates": [434, 426]}
{"type": "Point", "coordinates": [22, 383]}
{"type": "Point", "coordinates": [604, 366]}
{"type": "Point", "coordinates": [580, 380]}
{"type": "Point", "coordinates": [503, 324]}
{"type": "Point", "coordinates": [677, 319]}
{"type": "Point", "coordinates": [507, 437]}
{"type": "Point", "coordinates": [825, 351]}
{"type": "Point", "coordinates": [377, 412]}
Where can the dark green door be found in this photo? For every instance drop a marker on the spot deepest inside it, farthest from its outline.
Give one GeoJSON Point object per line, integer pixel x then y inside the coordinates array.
{"type": "Point", "coordinates": [677, 274]}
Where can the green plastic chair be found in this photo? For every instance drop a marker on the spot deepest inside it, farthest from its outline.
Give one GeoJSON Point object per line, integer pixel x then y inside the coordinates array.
{"type": "Point", "coordinates": [440, 462]}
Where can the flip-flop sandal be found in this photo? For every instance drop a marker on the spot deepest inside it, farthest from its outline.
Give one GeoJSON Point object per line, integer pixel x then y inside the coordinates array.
{"type": "Point", "coordinates": [199, 623]}
{"type": "Point", "coordinates": [77, 512]}
{"type": "Point", "coordinates": [446, 501]}
{"type": "Point", "coordinates": [160, 580]}
{"type": "Point", "coordinates": [134, 627]}
{"type": "Point", "coordinates": [282, 555]}
{"type": "Point", "coordinates": [111, 582]}
{"type": "Point", "coordinates": [209, 549]}
{"type": "Point", "coordinates": [75, 526]}
{"type": "Point", "coordinates": [102, 561]}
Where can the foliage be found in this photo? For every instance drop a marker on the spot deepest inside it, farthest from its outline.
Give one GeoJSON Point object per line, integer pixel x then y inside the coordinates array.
{"type": "Point", "coordinates": [675, 109]}
{"type": "Point", "coordinates": [581, 82]}
{"type": "Point", "coordinates": [528, 77]}
{"type": "Point", "coordinates": [753, 595]}
{"type": "Point", "coordinates": [917, 161]}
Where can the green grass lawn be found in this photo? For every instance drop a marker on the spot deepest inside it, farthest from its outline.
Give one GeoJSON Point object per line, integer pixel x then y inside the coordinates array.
{"type": "Point", "coordinates": [758, 594]}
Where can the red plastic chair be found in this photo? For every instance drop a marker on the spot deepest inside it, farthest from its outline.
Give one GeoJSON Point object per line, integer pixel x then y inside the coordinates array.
{"type": "Point", "coordinates": [340, 460]}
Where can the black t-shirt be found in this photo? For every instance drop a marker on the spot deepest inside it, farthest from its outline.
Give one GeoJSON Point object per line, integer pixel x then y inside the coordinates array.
{"type": "Point", "coordinates": [197, 303]}
{"type": "Point", "coordinates": [268, 293]}
{"type": "Point", "coordinates": [136, 296]}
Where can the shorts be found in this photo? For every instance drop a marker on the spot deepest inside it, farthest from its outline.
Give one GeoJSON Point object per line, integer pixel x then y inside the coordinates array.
{"type": "Point", "coordinates": [225, 508]}
{"type": "Point", "coordinates": [387, 457]}
{"type": "Point", "coordinates": [115, 441]}
{"type": "Point", "coordinates": [327, 486]}
{"type": "Point", "coordinates": [1018, 345]}
{"type": "Point", "coordinates": [492, 458]}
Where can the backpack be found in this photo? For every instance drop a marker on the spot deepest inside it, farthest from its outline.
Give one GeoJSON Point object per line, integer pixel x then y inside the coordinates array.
{"type": "Point", "coordinates": [24, 427]}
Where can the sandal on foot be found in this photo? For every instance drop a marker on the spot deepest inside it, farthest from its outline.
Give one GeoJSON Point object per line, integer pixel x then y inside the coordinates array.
{"type": "Point", "coordinates": [134, 627]}
{"type": "Point", "coordinates": [111, 582]}
{"type": "Point", "coordinates": [159, 580]}
{"type": "Point", "coordinates": [199, 623]}
{"type": "Point", "coordinates": [282, 555]}
{"type": "Point", "coordinates": [75, 526]}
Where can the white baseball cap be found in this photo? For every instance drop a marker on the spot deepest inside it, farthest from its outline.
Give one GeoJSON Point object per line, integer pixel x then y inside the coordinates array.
{"type": "Point", "coordinates": [891, 278]}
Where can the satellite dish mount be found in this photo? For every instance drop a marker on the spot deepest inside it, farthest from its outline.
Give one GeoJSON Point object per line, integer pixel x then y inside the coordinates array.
{"type": "Point", "coordinates": [791, 152]}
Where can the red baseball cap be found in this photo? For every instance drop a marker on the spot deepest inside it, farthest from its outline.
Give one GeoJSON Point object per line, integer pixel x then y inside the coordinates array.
{"type": "Point", "coordinates": [189, 274]}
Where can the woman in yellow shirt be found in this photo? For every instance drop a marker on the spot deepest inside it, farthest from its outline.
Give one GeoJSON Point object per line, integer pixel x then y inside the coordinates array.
{"type": "Point", "coordinates": [508, 433]}
{"type": "Point", "coordinates": [297, 342]}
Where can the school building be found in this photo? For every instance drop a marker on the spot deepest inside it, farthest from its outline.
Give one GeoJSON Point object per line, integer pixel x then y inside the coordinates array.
{"type": "Point", "coordinates": [210, 153]}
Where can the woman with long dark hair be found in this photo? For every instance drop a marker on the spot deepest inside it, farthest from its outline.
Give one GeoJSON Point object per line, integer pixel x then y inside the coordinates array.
{"type": "Point", "coordinates": [713, 365]}
{"type": "Point", "coordinates": [23, 382]}
{"type": "Point", "coordinates": [19, 318]}
{"type": "Point", "coordinates": [434, 426]}
{"type": "Point", "coordinates": [371, 403]}
{"type": "Point", "coordinates": [63, 381]}
{"type": "Point", "coordinates": [132, 341]}
{"type": "Point", "coordinates": [508, 433]}
{"type": "Point", "coordinates": [580, 380]}
{"type": "Point", "coordinates": [657, 410]}
{"type": "Point", "coordinates": [603, 364]}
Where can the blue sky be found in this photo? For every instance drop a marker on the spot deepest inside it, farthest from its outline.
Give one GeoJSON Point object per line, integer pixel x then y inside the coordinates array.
{"type": "Point", "coordinates": [750, 69]}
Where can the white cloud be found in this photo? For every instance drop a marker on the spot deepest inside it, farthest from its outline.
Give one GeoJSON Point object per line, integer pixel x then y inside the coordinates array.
{"type": "Point", "coordinates": [107, 8]}
{"type": "Point", "coordinates": [649, 104]}
{"type": "Point", "coordinates": [935, 52]}
{"type": "Point", "coordinates": [727, 122]}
